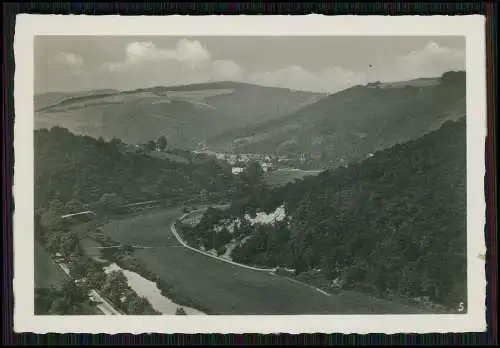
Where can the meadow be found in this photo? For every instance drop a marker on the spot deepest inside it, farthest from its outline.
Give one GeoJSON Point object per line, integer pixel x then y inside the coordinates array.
{"type": "Point", "coordinates": [222, 288]}
{"type": "Point", "coordinates": [47, 272]}
{"type": "Point", "coordinates": [283, 176]}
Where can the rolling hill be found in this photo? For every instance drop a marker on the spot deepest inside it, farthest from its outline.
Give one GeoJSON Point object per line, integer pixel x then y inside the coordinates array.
{"type": "Point", "coordinates": [354, 123]}
{"type": "Point", "coordinates": [185, 114]}
{"type": "Point", "coordinates": [71, 167]}
{"type": "Point", "coordinates": [393, 223]}
{"type": "Point", "coordinates": [45, 100]}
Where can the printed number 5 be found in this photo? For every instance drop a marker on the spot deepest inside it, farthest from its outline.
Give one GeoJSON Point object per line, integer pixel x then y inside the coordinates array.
{"type": "Point", "coordinates": [461, 307]}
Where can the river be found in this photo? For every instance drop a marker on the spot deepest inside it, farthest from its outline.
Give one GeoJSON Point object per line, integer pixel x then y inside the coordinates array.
{"type": "Point", "coordinates": [148, 289]}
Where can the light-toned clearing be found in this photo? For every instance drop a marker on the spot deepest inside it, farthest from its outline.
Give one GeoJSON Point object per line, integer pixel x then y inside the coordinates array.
{"type": "Point", "coordinates": [421, 82]}
{"type": "Point", "coordinates": [237, 170]}
{"type": "Point", "coordinates": [266, 219]}
{"type": "Point", "coordinates": [279, 214]}
{"type": "Point", "coordinates": [198, 94]}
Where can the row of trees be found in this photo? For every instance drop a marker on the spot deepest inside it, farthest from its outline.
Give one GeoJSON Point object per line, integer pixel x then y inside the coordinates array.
{"type": "Point", "coordinates": [117, 290]}
{"type": "Point", "coordinates": [159, 144]}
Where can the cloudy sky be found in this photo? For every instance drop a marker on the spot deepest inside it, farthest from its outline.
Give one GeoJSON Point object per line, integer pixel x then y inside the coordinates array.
{"type": "Point", "coordinates": [320, 64]}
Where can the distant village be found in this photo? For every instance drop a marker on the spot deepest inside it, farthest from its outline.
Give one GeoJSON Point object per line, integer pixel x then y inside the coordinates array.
{"type": "Point", "coordinates": [238, 161]}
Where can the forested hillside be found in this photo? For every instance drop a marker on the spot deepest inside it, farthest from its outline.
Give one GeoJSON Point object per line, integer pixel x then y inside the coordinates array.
{"type": "Point", "coordinates": [349, 125]}
{"type": "Point", "coordinates": [394, 223]}
{"type": "Point", "coordinates": [81, 170]}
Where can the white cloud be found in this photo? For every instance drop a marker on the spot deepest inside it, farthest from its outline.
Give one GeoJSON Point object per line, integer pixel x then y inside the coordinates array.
{"type": "Point", "coordinates": [67, 59]}
{"type": "Point", "coordinates": [194, 63]}
{"type": "Point", "coordinates": [295, 77]}
{"type": "Point", "coordinates": [227, 70]}
{"type": "Point", "coordinates": [71, 61]}
{"type": "Point", "coordinates": [429, 61]}
{"type": "Point", "coordinates": [192, 53]}
{"type": "Point", "coordinates": [292, 77]}
{"type": "Point", "coordinates": [433, 54]}
{"type": "Point", "coordinates": [189, 53]}
{"type": "Point", "coordinates": [137, 52]}
{"type": "Point", "coordinates": [189, 62]}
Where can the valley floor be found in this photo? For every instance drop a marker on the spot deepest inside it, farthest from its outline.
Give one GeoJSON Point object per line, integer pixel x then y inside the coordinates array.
{"type": "Point", "coordinates": [218, 287]}
{"type": "Point", "coordinates": [49, 274]}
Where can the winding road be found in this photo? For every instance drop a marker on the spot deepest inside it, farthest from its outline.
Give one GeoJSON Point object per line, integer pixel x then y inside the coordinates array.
{"type": "Point", "coordinates": [269, 270]}
{"type": "Point", "coordinates": [104, 306]}
{"type": "Point", "coordinates": [184, 244]}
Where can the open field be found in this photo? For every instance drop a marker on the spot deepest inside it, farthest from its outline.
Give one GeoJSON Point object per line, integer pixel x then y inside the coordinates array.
{"type": "Point", "coordinates": [283, 176]}
{"type": "Point", "coordinates": [47, 273]}
{"type": "Point", "coordinates": [223, 288]}
{"type": "Point", "coordinates": [169, 156]}
{"type": "Point", "coordinates": [90, 247]}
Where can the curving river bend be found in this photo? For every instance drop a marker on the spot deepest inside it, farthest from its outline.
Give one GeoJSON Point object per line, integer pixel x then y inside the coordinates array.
{"type": "Point", "coordinates": [148, 289]}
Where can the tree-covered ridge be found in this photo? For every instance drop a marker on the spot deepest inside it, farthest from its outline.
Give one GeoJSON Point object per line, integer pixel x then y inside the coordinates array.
{"type": "Point", "coordinates": [81, 169]}
{"type": "Point", "coordinates": [351, 124]}
{"type": "Point", "coordinates": [394, 223]}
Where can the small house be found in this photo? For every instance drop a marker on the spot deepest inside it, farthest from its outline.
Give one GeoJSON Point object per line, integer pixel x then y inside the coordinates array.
{"type": "Point", "coordinates": [237, 170]}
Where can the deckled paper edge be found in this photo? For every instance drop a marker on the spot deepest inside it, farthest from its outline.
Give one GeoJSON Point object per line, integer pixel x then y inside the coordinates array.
{"type": "Point", "coordinates": [28, 26]}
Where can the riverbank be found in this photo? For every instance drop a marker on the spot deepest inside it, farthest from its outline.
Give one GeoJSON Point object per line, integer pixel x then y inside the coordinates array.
{"type": "Point", "coordinates": [149, 290]}
{"type": "Point", "coordinates": [130, 263]}
{"type": "Point", "coordinates": [108, 255]}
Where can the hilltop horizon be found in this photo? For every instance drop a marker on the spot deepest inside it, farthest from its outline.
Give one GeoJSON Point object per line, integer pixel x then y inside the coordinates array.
{"type": "Point", "coordinates": [235, 82]}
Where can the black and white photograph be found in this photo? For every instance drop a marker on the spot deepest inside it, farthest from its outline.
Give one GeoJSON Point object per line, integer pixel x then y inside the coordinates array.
{"type": "Point", "coordinates": [211, 175]}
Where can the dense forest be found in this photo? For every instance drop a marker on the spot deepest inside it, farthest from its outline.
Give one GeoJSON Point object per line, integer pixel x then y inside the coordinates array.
{"type": "Point", "coordinates": [79, 170]}
{"type": "Point", "coordinates": [394, 223]}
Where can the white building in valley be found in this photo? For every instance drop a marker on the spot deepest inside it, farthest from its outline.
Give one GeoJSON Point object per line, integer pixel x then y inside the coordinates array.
{"type": "Point", "coordinates": [237, 170]}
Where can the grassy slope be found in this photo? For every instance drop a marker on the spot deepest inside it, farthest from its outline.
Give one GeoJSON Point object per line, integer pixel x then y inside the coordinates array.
{"type": "Point", "coordinates": [51, 98]}
{"type": "Point", "coordinates": [169, 156]}
{"type": "Point", "coordinates": [357, 121]}
{"type": "Point", "coordinates": [283, 176]}
{"type": "Point", "coordinates": [47, 272]}
{"type": "Point", "coordinates": [229, 289]}
{"type": "Point", "coordinates": [186, 114]}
